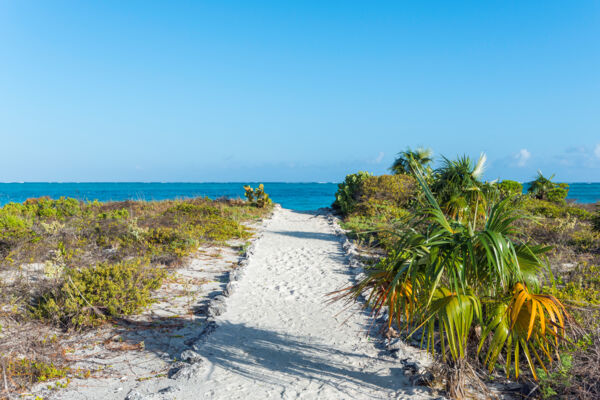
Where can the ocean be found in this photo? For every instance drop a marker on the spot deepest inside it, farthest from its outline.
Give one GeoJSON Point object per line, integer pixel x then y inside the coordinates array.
{"type": "Point", "coordinates": [297, 196]}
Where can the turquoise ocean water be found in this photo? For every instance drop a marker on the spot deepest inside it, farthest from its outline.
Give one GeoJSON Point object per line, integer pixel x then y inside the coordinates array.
{"type": "Point", "coordinates": [297, 196]}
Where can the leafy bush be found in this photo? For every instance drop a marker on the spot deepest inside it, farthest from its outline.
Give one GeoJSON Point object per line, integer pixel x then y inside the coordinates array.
{"type": "Point", "coordinates": [544, 189]}
{"type": "Point", "coordinates": [557, 195]}
{"type": "Point", "coordinates": [34, 370]}
{"type": "Point", "coordinates": [510, 188]}
{"type": "Point", "coordinates": [89, 295]}
{"type": "Point", "coordinates": [393, 190]}
{"type": "Point", "coordinates": [456, 274]}
{"type": "Point", "coordinates": [257, 197]}
{"type": "Point", "coordinates": [585, 241]}
{"type": "Point", "coordinates": [14, 226]}
{"type": "Point", "coordinates": [346, 195]}
{"type": "Point", "coordinates": [553, 210]}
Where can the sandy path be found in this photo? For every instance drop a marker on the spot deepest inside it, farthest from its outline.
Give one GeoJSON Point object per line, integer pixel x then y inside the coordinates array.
{"type": "Point", "coordinates": [278, 339]}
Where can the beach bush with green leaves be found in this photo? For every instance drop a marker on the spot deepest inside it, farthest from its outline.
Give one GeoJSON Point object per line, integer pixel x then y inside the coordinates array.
{"type": "Point", "coordinates": [347, 193]}
{"type": "Point", "coordinates": [257, 197]}
{"type": "Point", "coordinates": [468, 271]}
{"type": "Point", "coordinates": [374, 205]}
{"type": "Point", "coordinates": [90, 295]}
{"type": "Point", "coordinates": [543, 188]}
{"type": "Point", "coordinates": [465, 271]}
{"type": "Point", "coordinates": [510, 188]}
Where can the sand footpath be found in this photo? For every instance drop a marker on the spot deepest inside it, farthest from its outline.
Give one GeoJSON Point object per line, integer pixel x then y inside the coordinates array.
{"type": "Point", "coordinates": [276, 336]}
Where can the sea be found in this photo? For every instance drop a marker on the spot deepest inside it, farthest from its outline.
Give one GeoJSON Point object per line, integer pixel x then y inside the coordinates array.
{"type": "Point", "coordinates": [296, 196]}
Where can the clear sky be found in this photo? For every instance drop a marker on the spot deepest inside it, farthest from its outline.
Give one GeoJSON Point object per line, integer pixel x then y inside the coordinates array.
{"type": "Point", "coordinates": [295, 91]}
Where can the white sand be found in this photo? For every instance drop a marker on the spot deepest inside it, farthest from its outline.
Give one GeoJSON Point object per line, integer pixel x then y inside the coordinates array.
{"type": "Point", "coordinates": [278, 338]}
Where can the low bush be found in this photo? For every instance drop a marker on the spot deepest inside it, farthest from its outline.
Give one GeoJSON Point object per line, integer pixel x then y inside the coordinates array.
{"type": "Point", "coordinates": [257, 197]}
{"type": "Point", "coordinates": [373, 206]}
{"type": "Point", "coordinates": [549, 209]}
{"type": "Point", "coordinates": [557, 195]}
{"type": "Point", "coordinates": [510, 188]}
{"type": "Point", "coordinates": [90, 295]}
{"type": "Point", "coordinates": [585, 241]}
{"type": "Point", "coordinates": [346, 195]}
{"type": "Point", "coordinates": [33, 371]}
{"type": "Point", "coordinates": [384, 190]}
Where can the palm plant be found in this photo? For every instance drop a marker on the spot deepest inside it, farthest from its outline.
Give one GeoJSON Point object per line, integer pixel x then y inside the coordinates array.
{"type": "Point", "coordinates": [459, 188]}
{"type": "Point", "coordinates": [446, 277]}
{"type": "Point", "coordinates": [421, 156]}
{"type": "Point", "coordinates": [540, 187]}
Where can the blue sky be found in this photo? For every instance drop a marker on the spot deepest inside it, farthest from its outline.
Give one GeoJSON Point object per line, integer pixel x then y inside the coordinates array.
{"type": "Point", "coordinates": [295, 91]}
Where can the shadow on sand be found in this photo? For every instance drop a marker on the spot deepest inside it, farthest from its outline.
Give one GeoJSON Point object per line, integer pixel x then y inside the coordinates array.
{"type": "Point", "coordinates": [271, 357]}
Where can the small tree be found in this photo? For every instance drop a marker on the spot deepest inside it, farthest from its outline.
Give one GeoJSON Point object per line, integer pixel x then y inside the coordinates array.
{"type": "Point", "coordinates": [543, 188]}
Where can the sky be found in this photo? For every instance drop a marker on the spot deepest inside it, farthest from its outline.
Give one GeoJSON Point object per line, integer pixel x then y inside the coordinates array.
{"type": "Point", "coordinates": [295, 91]}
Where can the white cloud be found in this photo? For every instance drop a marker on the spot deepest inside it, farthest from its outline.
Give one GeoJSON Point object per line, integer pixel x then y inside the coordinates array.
{"type": "Point", "coordinates": [522, 157]}
{"type": "Point", "coordinates": [597, 151]}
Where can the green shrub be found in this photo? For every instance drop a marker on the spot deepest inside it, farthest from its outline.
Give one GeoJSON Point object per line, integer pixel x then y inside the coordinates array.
{"type": "Point", "coordinates": [120, 213]}
{"type": "Point", "coordinates": [89, 295]}
{"type": "Point", "coordinates": [585, 241]}
{"type": "Point", "coordinates": [582, 285]}
{"type": "Point", "coordinates": [33, 371]}
{"type": "Point", "coordinates": [510, 188]}
{"type": "Point", "coordinates": [557, 195]}
{"type": "Point", "coordinates": [257, 197]}
{"type": "Point", "coordinates": [45, 207]}
{"type": "Point", "coordinates": [554, 209]}
{"type": "Point", "coordinates": [545, 189]}
{"type": "Point", "coordinates": [580, 213]}
{"type": "Point", "coordinates": [396, 190]}
{"type": "Point", "coordinates": [346, 195]}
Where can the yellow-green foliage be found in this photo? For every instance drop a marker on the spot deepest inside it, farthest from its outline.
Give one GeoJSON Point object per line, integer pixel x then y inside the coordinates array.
{"type": "Point", "coordinates": [381, 194]}
{"type": "Point", "coordinates": [257, 197]}
{"type": "Point", "coordinates": [33, 371]}
{"type": "Point", "coordinates": [549, 209]}
{"type": "Point", "coordinates": [585, 241]}
{"type": "Point", "coordinates": [166, 231]}
{"type": "Point", "coordinates": [89, 295]}
{"type": "Point", "coordinates": [379, 205]}
{"type": "Point", "coordinates": [347, 193]}
{"type": "Point", "coordinates": [510, 188]}
{"type": "Point", "coordinates": [580, 285]}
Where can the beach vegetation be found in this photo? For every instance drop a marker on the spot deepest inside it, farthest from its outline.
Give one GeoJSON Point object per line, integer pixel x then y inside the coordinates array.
{"type": "Point", "coordinates": [68, 265]}
{"type": "Point", "coordinates": [88, 296]}
{"type": "Point", "coordinates": [403, 163]}
{"type": "Point", "coordinates": [257, 197]}
{"type": "Point", "coordinates": [488, 279]}
{"type": "Point", "coordinates": [510, 188]}
{"type": "Point", "coordinates": [544, 188]}
{"type": "Point", "coordinates": [458, 273]}
{"type": "Point", "coordinates": [346, 195]}
{"type": "Point", "coordinates": [33, 371]}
